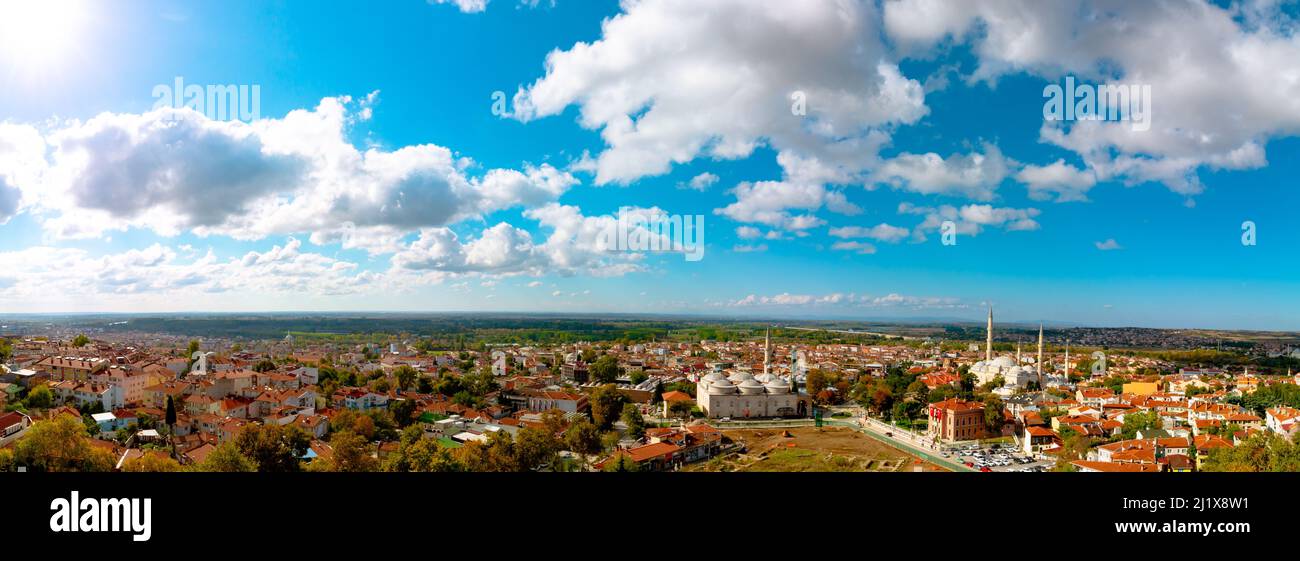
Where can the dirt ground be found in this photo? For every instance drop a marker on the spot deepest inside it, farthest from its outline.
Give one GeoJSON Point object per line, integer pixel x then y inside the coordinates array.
{"type": "Point", "coordinates": [813, 449]}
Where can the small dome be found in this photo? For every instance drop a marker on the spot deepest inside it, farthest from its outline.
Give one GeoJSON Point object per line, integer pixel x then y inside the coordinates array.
{"type": "Point", "coordinates": [777, 386]}
{"type": "Point", "coordinates": [714, 377]}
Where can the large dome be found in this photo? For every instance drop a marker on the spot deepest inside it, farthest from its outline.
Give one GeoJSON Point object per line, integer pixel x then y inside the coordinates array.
{"type": "Point", "coordinates": [1004, 362]}
{"type": "Point", "coordinates": [740, 377]}
{"type": "Point", "coordinates": [714, 377]}
{"type": "Point", "coordinates": [751, 387]}
{"type": "Point", "coordinates": [722, 387]}
{"type": "Point", "coordinates": [777, 386]}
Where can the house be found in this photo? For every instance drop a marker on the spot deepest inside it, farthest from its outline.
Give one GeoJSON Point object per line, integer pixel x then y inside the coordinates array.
{"type": "Point", "coordinates": [12, 426]}
{"type": "Point", "coordinates": [1282, 420]}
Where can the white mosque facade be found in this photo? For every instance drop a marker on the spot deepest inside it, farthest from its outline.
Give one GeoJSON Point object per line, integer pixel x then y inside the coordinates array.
{"type": "Point", "coordinates": [1011, 371]}
{"type": "Point", "coordinates": [743, 395]}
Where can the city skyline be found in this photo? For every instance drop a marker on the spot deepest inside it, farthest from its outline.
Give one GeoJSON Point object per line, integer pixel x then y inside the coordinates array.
{"type": "Point", "coordinates": [382, 173]}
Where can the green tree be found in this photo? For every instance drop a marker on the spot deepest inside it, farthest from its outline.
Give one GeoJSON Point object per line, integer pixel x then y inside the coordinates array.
{"type": "Point", "coordinates": [39, 397]}
{"type": "Point", "coordinates": [606, 404]}
{"type": "Point", "coordinates": [352, 453]}
{"type": "Point", "coordinates": [583, 439]}
{"type": "Point", "coordinates": [403, 411]}
{"type": "Point", "coordinates": [274, 448]}
{"type": "Point", "coordinates": [170, 420]}
{"type": "Point", "coordinates": [621, 462]}
{"type": "Point", "coordinates": [1139, 421]}
{"type": "Point", "coordinates": [632, 418]}
{"type": "Point", "coordinates": [61, 444]}
{"type": "Point", "coordinates": [80, 340]}
{"type": "Point", "coordinates": [226, 458]}
{"type": "Point", "coordinates": [605, 370]}
{"type": "Point", "coordinates": [993, 418]}
{"type": "Point", "coordinates": [264, 365]}
{"type": "Point", "coordinates": [405, 376]}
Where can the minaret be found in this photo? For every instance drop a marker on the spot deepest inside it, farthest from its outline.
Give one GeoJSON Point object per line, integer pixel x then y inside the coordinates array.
{"type": "Point", "coordinates": [767, 350]}
{"type": "Point", "coordinates": [1039, 362]}
{"type": "Point", "coordinates": [1017, 353]}
{"type": "Point", "coordinates": [988, 343]}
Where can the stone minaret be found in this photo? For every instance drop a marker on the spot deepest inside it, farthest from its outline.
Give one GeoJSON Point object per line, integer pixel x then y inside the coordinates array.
{"type": "Point", "coordinates": [767, 350]}
{"type": "Point", "coordinates": [988, 343]}
{"type": "Point", "coordinates": [1039, 362]}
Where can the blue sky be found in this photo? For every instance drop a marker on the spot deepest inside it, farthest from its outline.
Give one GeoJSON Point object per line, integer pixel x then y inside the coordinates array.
{"type": "Point", "coordinates": [945, 110]}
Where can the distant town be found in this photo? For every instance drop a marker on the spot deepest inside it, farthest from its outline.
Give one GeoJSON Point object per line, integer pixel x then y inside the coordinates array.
{"type": "Point", "coordinates": [500, 393]}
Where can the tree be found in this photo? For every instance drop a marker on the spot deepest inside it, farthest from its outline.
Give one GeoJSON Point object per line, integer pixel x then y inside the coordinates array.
{"type": "Point", "coordinates": [170, 420]}
{"type": "Point", "coordinates": [606, 404]}
{"type": "Point", "coordinates": [226, 458]}
{"type": "Point", "coordinates": [151, 462]}
{"type": "Point", "coordinates": [192, 348]}
{"type": "Point", "coordinates": [274, 448]}
{"type": "Point", "coordinates": [403, 411]}
{"type": "Point", "coordinates": [61, 444]}
{"type": "Point", "coordinates": [39, 397]}
{"type": "Point", "coordinates": [80, 340]}
{"type": "Point", "coordinates": [1139, 421]}
{"type": "Point", "coordinates": [605, 370]}
{"type": "Point", "coordinates": [1261, 452]}
{"type": "Point", "coordinates": [621, 462]}
{"type": "Point", "coordinates": [351, 453]}
{"type": "Point", "coordinates": [816, 381]}
{"type": "Point", "coordinates": [583, 439]}
{"type": "Point", "coordinates": [264, 365]}
{"type": "Point", "coordinates": [405, 376]}
{"type": "Point", "coordinates": [680, 408]}
{"type": "Point", "coordinates": [993, 418]}
{"type": "Point", "coordinates": [638, 377]}
{"type": "Point", "coordinates": [535, 447]}
{"type": "Point", "coordinates": [658, 396]}
{"type": "Point", "coordinates": [632, 418]}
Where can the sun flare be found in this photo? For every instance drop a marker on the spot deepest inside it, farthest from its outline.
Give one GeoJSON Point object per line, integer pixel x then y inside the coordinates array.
{"type": "Point", "coordinates": [38, 34]}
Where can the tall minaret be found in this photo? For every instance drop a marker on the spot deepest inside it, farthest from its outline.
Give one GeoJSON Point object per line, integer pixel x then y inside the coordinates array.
{"type": "Point", "coordinates": [767, 350]}
{"type": "Point", "coordinates": [1017, 353]}
{"type": "Point", "coordinates": [1039, 362]}
{"type": "Point", "coordinates": [988, 343]}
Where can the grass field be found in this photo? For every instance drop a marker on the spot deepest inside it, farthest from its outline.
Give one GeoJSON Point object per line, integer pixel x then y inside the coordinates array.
{"type": "Point", "coordinates": [809, 449]}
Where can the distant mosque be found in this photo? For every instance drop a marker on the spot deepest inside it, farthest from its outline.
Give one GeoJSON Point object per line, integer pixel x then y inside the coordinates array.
{"type": "Point", "coordinates": [1014, 375]}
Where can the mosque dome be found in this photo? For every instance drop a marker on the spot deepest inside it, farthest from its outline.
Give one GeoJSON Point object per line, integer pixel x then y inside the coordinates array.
{"type": "Point", "coordinates": [1004, 362]}
{"type": "Point", "coordinates": [777, 386]}
{"type": "Point", "coordinates": [722, 387]}
{"type": "Point", "coordinates": [751, 387]}
{"type": "Point", "coordinates": [740, 377]}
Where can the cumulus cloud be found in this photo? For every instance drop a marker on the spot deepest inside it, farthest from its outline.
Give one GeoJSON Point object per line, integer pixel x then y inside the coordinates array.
{"type": "Point", "coordinates": [173, 170]}
{"type": "Point", "coordinates": [701, 182]}
{"type": "Point", "coordinates": [1059, 179]}
{"type": "Point", "coordinates": [861, 248]}
{"type": "Point", "coordinates": [672, 80]}
{"type": "Point", "coordinates": [158, 272]}
{"type": "Point", "coordinates": [1215, 106]}
{"type": "Point", "coordinates": [970, 219]}
{"type": "Point", "coordinates": [974, 175]}
{"type": "Point", "coordinates": [466, 6]}
{"type": "Point", "coordinates": [879, 232]}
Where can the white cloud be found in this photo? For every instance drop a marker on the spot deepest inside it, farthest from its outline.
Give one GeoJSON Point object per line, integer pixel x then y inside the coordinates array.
{"type": "Point", "coordinates": [971, 219]}
{"type": "Point", "coordinates": [672, 80]}
{"type": "Point", "coordinates": [466, 6]}
{"type": "Point", "coordinates": [786, 299]}
{"type": "Point", "coordinates": [174, 170]}
{"type": "Point", "coordinates": [974, 175]}
{"type": "Point", "coordinates": [1109, 245]}
{"type": "Point", "coordinates": [879, 232]}
{"type": "Point", "coordinates": [1066, 182]}
{"type": "Point", "coordinates": [701, 182]}
{"type": "Point", "coordinates": [1215, 106]}
{"type": "Point", "coordinates": [861, 248]}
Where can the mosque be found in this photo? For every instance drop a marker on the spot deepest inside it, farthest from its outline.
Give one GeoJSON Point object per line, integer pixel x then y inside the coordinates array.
{"type": "Point", "coordinates": [743, 395]}
{"type": "Point", "coordinates": [1014, 375]}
